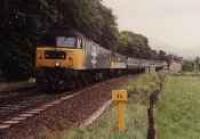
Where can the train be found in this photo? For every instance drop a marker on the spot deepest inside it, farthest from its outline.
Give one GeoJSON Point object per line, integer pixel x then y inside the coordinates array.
{"type": "Point", "coordinates": [67, 59]}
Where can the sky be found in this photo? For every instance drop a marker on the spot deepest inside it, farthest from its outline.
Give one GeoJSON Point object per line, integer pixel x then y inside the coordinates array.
{"type": "Point", "coordinates": [171, 25]}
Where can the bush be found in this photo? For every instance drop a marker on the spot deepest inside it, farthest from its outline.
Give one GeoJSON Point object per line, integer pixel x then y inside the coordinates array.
{"type": "Point", "coordinates": [141, 88]}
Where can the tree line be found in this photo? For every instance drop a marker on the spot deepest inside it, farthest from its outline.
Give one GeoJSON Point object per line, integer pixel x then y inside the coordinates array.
{"type": "Point", "coordinates": [23, 22]}
{"type": "Point", "coordinates": [192, 65]}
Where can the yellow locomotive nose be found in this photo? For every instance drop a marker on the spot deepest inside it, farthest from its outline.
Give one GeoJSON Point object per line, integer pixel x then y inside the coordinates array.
{"type": "Point", "coordinates": [61, 57]}
{"type": "Point", "coordinates": [70, 61]}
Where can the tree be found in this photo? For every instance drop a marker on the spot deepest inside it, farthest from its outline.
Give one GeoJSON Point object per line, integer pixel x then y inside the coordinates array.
{"type": "Point", "coordinates": [23, 22]}
{"type": "Point", "coordinates": [188, 65]}
{"type": "Point", "coordinates": [162, 55]}
{"type": "Point", "coordinates": [91, 18]}
{"type": "Point", "coordinates": [197, 63]}
{"type": "Point", "coordinates": [134, 45]}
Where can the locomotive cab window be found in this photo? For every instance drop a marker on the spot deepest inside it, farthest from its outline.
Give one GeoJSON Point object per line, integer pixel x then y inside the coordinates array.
{"type": "Point", "coordinates": [66, 42]}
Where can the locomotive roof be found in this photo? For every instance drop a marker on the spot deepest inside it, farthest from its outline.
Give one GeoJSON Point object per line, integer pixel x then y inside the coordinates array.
{"type": "Point", "coordinates": [64, 31]}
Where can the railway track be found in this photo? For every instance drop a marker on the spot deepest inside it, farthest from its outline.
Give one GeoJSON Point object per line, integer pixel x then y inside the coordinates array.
{"type": "Point", "coordinates": [76, 107]}
{"type": "Point", "coordinates": [13, 87]}
{"type": "Point", "coordinates": [18, 104]}
{"type": "Point", "coordinates": [20, 100]}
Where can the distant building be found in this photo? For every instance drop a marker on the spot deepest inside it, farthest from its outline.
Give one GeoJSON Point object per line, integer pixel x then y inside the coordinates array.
{"type": "Point", "coordinates": [175, 66]}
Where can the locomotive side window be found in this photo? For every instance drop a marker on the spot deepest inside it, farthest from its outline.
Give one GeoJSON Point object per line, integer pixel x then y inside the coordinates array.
{"type": "Point", "coordinates": [66, 42]}
{"type": "Point", "coordinates": [79, 43]}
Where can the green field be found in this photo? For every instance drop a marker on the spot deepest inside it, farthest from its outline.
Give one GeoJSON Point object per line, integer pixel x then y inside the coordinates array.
{"type": "Point", "coordinates": [178, 113]}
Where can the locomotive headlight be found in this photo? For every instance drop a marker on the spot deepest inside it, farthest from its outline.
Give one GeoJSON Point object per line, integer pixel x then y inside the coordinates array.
{"type": "Point", "coordinates": [57, 64]}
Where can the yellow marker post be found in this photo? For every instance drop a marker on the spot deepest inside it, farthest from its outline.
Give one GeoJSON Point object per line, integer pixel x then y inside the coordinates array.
{"type": "Point", "coordinates": [120, 98]}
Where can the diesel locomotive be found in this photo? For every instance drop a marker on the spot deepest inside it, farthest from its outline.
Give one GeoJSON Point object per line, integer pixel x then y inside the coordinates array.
{"type": "Point", "coordinates": [66, 59]}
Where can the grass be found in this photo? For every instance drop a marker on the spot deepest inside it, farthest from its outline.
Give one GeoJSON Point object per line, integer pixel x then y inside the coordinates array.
{"type": "Point", "coordinates": [184, 73]}
{"type": "Point", "coordinates": [178, 114]}
{"type": "Point", "coordinates": [136, 114]}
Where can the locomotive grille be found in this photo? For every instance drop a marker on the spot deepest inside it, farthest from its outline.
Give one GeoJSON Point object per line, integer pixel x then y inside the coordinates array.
{"type": "Point", "coordinates": [55, 55]}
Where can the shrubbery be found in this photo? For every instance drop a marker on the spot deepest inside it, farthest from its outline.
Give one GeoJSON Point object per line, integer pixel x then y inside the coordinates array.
{"type": "Point", "coordinates": [141, 88]}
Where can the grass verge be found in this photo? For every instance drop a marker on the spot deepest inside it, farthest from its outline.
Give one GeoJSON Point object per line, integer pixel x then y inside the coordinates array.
{"type": "Point", "coordinates": [178, 110]}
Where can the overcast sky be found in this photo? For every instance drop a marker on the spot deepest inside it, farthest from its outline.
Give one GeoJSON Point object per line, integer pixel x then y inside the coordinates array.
{"type": "Point", "coordinates": [172, 25]}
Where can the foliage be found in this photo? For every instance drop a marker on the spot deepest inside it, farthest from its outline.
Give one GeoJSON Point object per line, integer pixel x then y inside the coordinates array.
{"type": "Point", "coordinates": [178, 108]}
{"type": "Point", "coordinates": [188, 65]}
{"type": "Point", "coordinates": [19, 32]}
{"type": "Point", "coordinates": [141, 89]}
{"type": "Point", "coordinates": [197, 64]}
{"type": "Point", "coordinates": [192, 65]}
{"type": "Point", "coordinates": [91, 18]}
{"type": "Point", "coordinates": [133, 44]}
{"type": "Point", "coordinates": [136, 45]}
